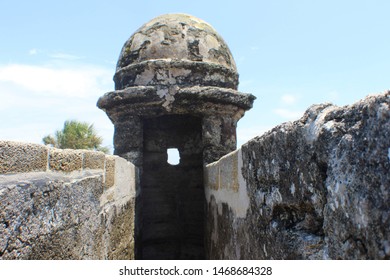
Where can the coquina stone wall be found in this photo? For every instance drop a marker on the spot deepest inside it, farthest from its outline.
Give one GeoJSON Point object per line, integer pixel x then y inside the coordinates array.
{"type": "Point", "coordinates": [316, 188]}
{"type": "Point", "coordinates": [65, 204]}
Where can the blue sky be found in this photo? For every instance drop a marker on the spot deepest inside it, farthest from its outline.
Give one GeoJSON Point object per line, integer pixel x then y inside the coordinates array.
{"type": "Point", "coordinates": [58, 57]}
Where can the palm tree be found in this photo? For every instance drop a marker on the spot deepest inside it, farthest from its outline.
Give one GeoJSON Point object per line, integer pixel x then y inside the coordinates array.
{"type": "Point", "coordinates": [76, 135]}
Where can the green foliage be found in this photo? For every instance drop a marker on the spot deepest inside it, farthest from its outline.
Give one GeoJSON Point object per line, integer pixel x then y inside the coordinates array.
{"type": "Point", "coordinates": [76, 135]}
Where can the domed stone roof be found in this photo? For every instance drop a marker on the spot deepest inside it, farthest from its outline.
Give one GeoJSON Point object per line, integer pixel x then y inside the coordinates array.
{"type": "Point", "coordinates": [175, 64]}
{"type": "Point", "coordinates": [189, 47]}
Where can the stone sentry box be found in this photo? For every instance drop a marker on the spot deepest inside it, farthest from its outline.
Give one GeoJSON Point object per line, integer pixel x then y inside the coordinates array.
{"type": "Point", "coordinates": [175, 87]}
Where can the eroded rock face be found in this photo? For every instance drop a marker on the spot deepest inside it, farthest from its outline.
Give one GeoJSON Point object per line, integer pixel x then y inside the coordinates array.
{"type": "Point", "coordinates": [318, 188]}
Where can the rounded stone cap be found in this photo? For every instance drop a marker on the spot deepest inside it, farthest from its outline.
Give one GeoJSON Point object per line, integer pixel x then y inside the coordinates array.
{"type": "Point", "coordinates": [176, 49]}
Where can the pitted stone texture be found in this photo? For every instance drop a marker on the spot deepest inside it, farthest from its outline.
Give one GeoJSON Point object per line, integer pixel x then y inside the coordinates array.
{"type": "Point", "coordinates": [125, 105]}
{"type": "Point", "coordinates": [93, 160]}
{"type": "Point", "coordinates": [16, 157]}
{"type": "Point", "coordinates": [66, 160]}
{"type": "Point", "coordinates": [49, 216]}
{"type": "Point", "coordinates": [179, 37]}
{"type": "Point", "coordinates": [168, 74]}
{"type": "Point", "coordinates": [57, 215]}
{"type": "Point", "coordinates": [357, 215]}
{"type": "Point", "coordinates": [318, 188]}
{"type": "Point", "coordinates": [110, 171]}
{"type": "Point", "coordinates": [221, 109]}
{"type": "Point", "coordinates": [121, 174]}
{"type": "Point", "coordinates": [175, 49]}
{"type": "Point", "coordinates": [175, 65]}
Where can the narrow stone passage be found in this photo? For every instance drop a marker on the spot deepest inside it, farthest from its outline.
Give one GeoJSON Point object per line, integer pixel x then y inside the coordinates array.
{"type": "Point", "coordinates": [172, 197]}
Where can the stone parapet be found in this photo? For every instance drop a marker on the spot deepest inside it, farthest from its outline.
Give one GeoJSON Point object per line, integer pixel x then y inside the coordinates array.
{"type": "Point", "coordinates": [316, 188]}
{"type": "Point", "coordinates": [65, 160]}
{"type": "Point", "coordinates": [18, 157]}
{"type": "Point", "coordinates": [65, 204]}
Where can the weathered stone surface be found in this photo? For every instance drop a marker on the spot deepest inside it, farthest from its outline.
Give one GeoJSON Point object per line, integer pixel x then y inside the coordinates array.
{"type": "Point", "coordinates": [357, 213]}
{"type": "Point", "coordinates": [53, 215]}
{"type": "Point", "coordinates": [175, 47]}
{"type": "Point", "coordinates": [175, 87]}
{"type": "Point", "coordinates": [16, 157]}
{"type": "Point", "coordinates": [65, 160]}
{"type": "Point", "coordinates": [175, 65]}
{"type": "Point", "coordinates": [93, 160]}
{"type": "Point", "coordinates": [123, 176]}
{"type": "Point", "coordinates": [49, 216]}
{"type": "Point", "coordinates": [118, 231]}
{"type": "Point", "coordinates": [179, 36]}
{"type": "Point", "coordinates": [110, 171]}
{"type": "Point", "coordinates": [318, 188]}
{"type": "Point", "coordinates": [194, 100]}
{"type": "Point", "coordinates": [168, 72]}
{"type": "Point", "coordinates": [118, 212]}
{"type": "Point", "coordinates": [68, 214]}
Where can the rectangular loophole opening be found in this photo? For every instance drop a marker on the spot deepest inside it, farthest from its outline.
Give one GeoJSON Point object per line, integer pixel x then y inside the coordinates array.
{"type": "Point", "coordinates": [173, 155]}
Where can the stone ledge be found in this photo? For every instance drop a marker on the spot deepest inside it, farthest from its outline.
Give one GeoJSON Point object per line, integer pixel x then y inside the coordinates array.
{"type": "Point", "coordinates": [181, 73]}
{"type": "Point", "coordinates": [147, 95]}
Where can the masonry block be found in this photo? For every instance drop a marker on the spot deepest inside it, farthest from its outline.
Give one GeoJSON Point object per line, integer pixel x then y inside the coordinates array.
{"type": "Point", "coordinates": [110, 171]}
{"type": "Point", "coordinates": [16, 157]}
{"type": "Point", "coordinates": [93, 160]}
{"type": "Point", "coordinates": [65, 160]}
{"type": "Point", "coordinates": [211, 176]}
{"type": "Point", "coordinates": [228, 171]}
{"type": "Point", "coordinates": [223, 174]}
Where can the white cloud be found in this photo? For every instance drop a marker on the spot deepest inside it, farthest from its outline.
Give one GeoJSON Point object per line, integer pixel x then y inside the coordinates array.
{"type": "Point", "coordinates": [36, 100]}
{"type": "Point", "coordinates": [70, 81]}
{"type": "Point", "coordinates": [65, 56]}
{"type": "Point", "coordinates": [33, 52]}
{"type": "Point", "coordinates": [289, 99]}
{"type": "Point", "coordinates": [287, 114]}
{"type": "Point", "coordinates": [288, 109]}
